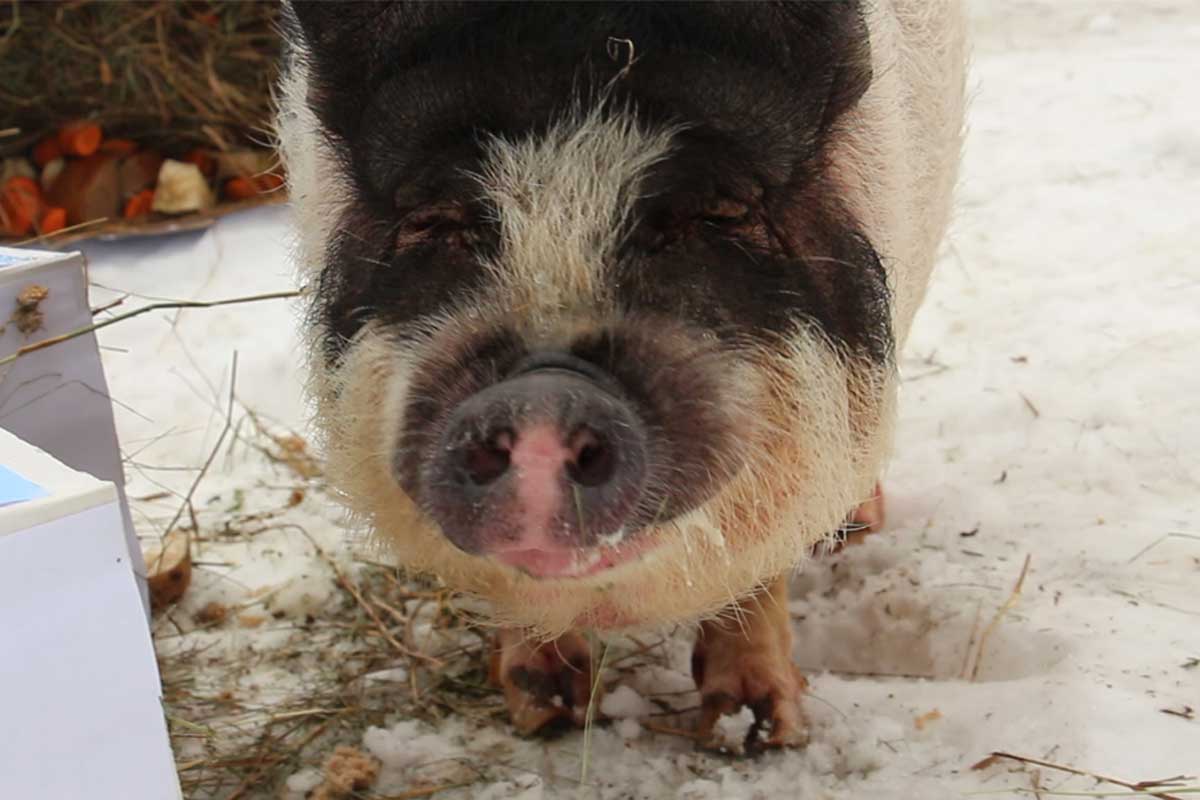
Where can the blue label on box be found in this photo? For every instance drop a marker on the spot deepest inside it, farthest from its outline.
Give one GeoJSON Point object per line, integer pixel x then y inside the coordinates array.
{"type": "Point", "coordinates": [16, 489]}
{"type": "Point", "coordinates": [8, 260]}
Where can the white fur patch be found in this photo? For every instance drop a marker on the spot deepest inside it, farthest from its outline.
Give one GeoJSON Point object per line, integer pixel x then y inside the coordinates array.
{"type": "Point", "coordinates": [561, 199]}
{"type": "Point", "coordinates": [896, 153]}
{"type": "Point", "coordinates": [318, 188]}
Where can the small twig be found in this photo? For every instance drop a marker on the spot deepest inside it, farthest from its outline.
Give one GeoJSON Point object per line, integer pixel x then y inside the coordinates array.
{"type": "Point", "coordinates": [971, 641]}
{"type": "Point", "coordinates": [1160, 540]}
{"type": "Point", "coordinates": [1029, 404]}
{"type": "Point", "coordinates": [845, 673]}
{"type": "Point", "coordinates": [65, 337]}
{"type": "Point", "coordinates": [1187, 712]}
{"type": "Point", "coordinates": [656, 727]}
{"type": "Point", "coordinates": [1000, 613]}
{"type": "Point", "coordinates": [109, 306]}
{"type": "Point", "coordinates": [1137, 787]}
{"type": "Point", "coordinates": [46, 237]}
{"type": "Point", "coordinates": [1035, 781]}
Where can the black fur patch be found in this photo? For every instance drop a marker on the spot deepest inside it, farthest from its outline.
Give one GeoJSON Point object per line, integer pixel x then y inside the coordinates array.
{"type": "Point", "coordinates": [408, 90]}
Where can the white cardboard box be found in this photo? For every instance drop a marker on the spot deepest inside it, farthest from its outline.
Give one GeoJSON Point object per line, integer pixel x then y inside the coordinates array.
{"type": "Point", "coordinates": [56, 398]}
{"type": "Point", "coordinates": [80, 695]}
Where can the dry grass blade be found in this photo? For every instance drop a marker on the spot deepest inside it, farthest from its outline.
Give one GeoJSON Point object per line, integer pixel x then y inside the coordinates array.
{"type": "Point", "coordinates": [1144, 788]}
{"type": "Point", "coordinates": [1008, 606]}
{"type": "Point", "coordinates": [33, 347]}
{"type": "Point", "coordinates": [589, 718]}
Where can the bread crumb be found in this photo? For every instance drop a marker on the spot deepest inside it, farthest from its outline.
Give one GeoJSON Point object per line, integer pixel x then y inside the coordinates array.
{"type": "Point", "coordinates": [347, 770]}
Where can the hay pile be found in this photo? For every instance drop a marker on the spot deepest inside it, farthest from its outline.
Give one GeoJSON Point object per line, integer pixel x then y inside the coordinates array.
{"type": "Point", "coordinates": [187, 81]}
{"type": "Point", "coordinates": [174, 75]}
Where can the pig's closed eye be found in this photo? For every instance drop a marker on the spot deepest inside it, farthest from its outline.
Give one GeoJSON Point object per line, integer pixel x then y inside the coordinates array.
{"type": "Point", "coordinates": [725, 212]}
{"type": "Point", "coordinates": [737, 221]}
{"type": "Point", "coordinates": [443, 223]}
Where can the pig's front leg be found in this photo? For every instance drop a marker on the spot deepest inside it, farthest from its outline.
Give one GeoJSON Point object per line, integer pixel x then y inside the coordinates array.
{"type": "Point", "coordinates": [547, 685]}
{"type": "Point", "coordinates": [744, 659]}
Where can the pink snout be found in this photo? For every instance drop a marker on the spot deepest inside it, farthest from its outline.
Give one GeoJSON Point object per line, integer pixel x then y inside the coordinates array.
{"type": "Point", "coordinates": [538, 470]}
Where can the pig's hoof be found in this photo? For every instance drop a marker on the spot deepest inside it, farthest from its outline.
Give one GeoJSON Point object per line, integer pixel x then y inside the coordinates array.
{"type": "Point", "coordinates": [772, 690]}
{"type": "Point", "coordinates": [745, 661]}
{"type": "Point", "coordinates": [547, 685]}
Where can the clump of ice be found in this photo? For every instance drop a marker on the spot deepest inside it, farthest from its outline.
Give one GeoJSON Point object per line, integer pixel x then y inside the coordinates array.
{"type": "Point", "coordinates": [304, 781]}
{"type": "Point", "coordinates": [309, 592]}
{"type": "Point", "coordinates": [627, 729]}
{"type": "Point", "coordinates": [730, 731]}
{"type": "Point", "coordinates": [625, 703]}
{"type": "Point", "coordinates": [407, 744]}
{"type": "Point", "coordinates": [412, 752]}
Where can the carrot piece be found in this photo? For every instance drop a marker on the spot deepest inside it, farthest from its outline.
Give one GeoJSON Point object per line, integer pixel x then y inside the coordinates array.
{"type": "Point", "coordinates": [55, 219]}
{"type": "Point", "coordinates": [46, 151]}
{"type": "Point", "coordinates": [20, 202]}
{"type": "Point", "coordinates": [80, 138]}
{"type": "Point", "coordinates": [202, 159]}
{"type": "Point", "coordinates": [240, 188]}
{"type": "Point", "coordinates": [119, 147]}
{"type": "Point", "coordinates": [267, 182]}
{"type": "Point", "coordinates": [139, 204]}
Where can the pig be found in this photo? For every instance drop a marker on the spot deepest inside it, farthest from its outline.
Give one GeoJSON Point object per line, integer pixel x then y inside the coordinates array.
{"type": "Point", "coordinates": [605, 301]}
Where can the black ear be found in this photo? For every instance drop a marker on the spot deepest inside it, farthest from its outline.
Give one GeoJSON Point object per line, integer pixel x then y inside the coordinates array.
{"type": "Point", "coordinates": [322, 23]}
{"type": "Point", "coordinates": [340, 42]}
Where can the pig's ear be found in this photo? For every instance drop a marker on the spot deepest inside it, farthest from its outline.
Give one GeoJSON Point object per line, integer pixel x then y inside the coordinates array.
{"type": "Point", "coordinates": [321, 23]}
{"type": "Point", "coordinates": [346, 26]}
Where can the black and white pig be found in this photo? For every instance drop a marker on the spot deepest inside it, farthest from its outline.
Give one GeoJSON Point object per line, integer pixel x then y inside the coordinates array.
{"type": "Point", "coordinates": [606, 299]}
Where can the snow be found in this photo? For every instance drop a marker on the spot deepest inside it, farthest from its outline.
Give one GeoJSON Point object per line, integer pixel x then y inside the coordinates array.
{"type": "Point", "coordinates": [1049, 411]}
{"type": "Point", "coordinates": [624, 702]}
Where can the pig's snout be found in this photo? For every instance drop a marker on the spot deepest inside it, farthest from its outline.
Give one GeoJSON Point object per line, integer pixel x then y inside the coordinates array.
{"type": "Point", "coordinates": [539, 467]}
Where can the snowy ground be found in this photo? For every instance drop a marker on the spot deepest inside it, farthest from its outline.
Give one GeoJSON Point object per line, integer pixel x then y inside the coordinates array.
{"type": "Point", "coordinates": [1049, 412]}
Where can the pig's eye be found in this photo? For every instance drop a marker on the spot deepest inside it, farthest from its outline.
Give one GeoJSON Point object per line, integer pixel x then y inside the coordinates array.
{"type": "Point", "coordinates": [448, 223]}
{"type": "Point", "coordinates": [733, 219]}
{"type": "Point", "coordinates": [725, 211]}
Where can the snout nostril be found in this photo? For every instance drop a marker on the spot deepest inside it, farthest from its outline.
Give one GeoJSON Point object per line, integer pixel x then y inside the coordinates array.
{"type": "Point", "coordinates": [593, 461]}
{"type": "Point", "coordinates": [486, 461]}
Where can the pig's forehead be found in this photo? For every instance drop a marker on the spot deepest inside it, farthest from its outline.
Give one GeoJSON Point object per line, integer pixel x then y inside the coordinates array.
{"type": "Point", "coordinates": [413, 95]}
{"type": "Point", "coordinates": [413, 89]}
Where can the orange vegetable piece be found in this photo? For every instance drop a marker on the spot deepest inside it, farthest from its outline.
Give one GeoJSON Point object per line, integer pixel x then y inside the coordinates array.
{"type": "Point", "coordinates": [55, 219]}
{"type": "Point", "coordinates": [139, 204]}
{"type": "Point", "coordinates": [202, 159]}
{"type": "Point", "coordinates": [46, 151]}
{"type": "Point", "coordinates": [119, 147]}
{"type": "Point", "coordinates": [80, 138]}
{"type": "Point", "coordinates": [268, 181]}
{"type": "Point", "coordinates": [20, 202]}
{"type": "Point", "coordinates": [240, 188]}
